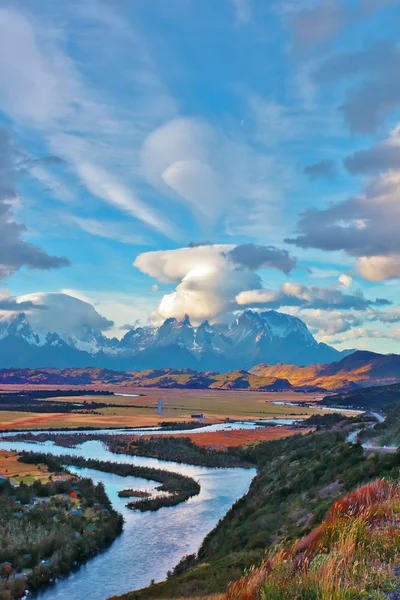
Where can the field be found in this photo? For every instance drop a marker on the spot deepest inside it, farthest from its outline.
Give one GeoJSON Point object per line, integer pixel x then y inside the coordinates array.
{"type": "Point", "coordinates": [220, 440]}
{"type": "Point", "coordinates": [18, 472]}
{"type": "Point", "coordinates": [179, 405]}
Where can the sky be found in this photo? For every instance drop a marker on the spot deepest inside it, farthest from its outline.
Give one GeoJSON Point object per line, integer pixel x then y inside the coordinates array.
{"type": "Point", "coordinates": [202, 157]}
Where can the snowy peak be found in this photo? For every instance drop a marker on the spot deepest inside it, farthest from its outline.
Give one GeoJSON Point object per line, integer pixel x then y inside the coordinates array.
{"type": "Point", "coordinates": [17, 325]}
{"type": "Point", "coordinates": [253, 337]}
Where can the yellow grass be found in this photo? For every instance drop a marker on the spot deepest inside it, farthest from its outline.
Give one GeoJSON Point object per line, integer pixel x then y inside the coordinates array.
{"type": "Point", "coordinates": [17, 471]}
{"type": "Point", "coordinates": [179, 405]}
{"type": "Point", "coordinates": [351, 556]}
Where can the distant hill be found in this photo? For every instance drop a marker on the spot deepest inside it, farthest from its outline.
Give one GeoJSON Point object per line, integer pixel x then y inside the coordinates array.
{"type": "Point", "coordinates": [160, 378]}
{"type": "Point", "coordinates": [370, 398]}
{"type": "Point", "coordinates": [358, 370]}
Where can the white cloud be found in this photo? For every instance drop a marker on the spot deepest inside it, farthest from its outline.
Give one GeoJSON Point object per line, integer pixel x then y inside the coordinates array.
{"type": "Point", "coordinates": [216, 175]}
{"type": "Point", "coordinates": [106, 186]}
{"type": "Point", "coordinates": [345, 280]}
{"type": "Point", "coordinates": [31, 88]}
{"type": "Point", "coordinates": [119, 307]}
{"type": "Point", "coordinates": [328, 322]}
{"type": "Point", "coordinates": [179, 158]}
{"type": "Point", "coordinates": [208, 277]}
{"type": "Point", "coordinates": [364, 226]}
{"type": "Point", "coordinates": [108, 230]}
{"type": "Point", "coordinates": [63, 313]}
{"type": "Point", "coordinates": [379, 268]}
{"type": "Point", "coordinates": [43, 88]}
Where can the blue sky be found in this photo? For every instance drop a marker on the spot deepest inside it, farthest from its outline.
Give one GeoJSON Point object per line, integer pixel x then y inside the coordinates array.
{"type": "Point", "coordinates": [204, 157]}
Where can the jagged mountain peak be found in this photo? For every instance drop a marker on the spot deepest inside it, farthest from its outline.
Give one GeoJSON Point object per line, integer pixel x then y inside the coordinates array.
{"type": "Point", "coordinates": [252, 338]}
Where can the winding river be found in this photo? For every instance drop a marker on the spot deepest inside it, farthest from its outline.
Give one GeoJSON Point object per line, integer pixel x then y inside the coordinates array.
{"type": "Point", "coordinates": [152, 542]}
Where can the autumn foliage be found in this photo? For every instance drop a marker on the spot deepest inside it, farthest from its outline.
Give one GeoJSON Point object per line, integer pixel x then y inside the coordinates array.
{"type": "Point", "coordinates": [352, 554]}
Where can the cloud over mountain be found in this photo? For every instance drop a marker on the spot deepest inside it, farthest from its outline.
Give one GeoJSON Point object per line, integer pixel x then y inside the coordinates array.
{"type": "Point", "coordinates": [208, 277]}
{"type": "Point", "coordinates": [62, 313]}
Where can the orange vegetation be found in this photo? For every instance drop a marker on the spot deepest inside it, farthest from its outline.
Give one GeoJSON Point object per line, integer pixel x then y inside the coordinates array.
{"type": "Point", "coordinates": [20, 420]}
{"type": "Point", "coordinates": [354, 550]}
{"type": "Point", "coordinates": [219, 440]}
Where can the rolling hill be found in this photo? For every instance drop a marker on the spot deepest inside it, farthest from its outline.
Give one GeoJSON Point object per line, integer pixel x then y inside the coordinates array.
{"type": "Point", "coordinates": [360, 369]}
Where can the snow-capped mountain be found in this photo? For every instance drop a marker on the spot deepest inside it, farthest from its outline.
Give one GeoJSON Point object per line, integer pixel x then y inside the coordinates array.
{"type": "Point", "coordinates": [266, 337]}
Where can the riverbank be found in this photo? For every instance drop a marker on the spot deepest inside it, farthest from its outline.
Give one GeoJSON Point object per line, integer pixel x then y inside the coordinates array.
{"type": "Point", "coordinates": [176, 488]}
{"type": "Point", "coordinates": [152, 542]}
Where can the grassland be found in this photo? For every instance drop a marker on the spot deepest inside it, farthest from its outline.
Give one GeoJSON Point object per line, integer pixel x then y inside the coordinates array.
{"type": "Point", "coordinates": [179, 405]}
{"type": "Point", "coordinates": [19, 472]}
{"type": "Point", "coordinates": [220, 440]}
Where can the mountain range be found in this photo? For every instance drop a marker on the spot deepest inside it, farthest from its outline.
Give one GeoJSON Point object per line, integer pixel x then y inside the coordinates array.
{"type": "Point", "coordinates": [358, 370]}
{"type": "Point", "coordinates": [254, 337]}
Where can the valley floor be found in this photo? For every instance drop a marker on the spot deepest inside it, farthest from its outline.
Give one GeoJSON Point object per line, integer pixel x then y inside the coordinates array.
{"type": "Point", "coordinates": [140, 410]}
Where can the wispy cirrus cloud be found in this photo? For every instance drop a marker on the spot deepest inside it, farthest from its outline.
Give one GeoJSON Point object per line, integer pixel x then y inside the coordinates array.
{"type": "Point", "coordinates": [66, 111]}
{"type": "Point", "coordinates": [15, 251]}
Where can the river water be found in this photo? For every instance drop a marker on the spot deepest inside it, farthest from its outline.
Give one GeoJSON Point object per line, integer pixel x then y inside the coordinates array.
{"type": "Point", "coordinates": [152, 542]}
{"type": "Point", "coordinates": [228, 426]}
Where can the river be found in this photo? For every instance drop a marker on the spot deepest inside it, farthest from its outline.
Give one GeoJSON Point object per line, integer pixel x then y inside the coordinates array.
{"type": "Point", "coordinates": [152, 542]}
{"type": "Point", "coordinates": [227, 426]}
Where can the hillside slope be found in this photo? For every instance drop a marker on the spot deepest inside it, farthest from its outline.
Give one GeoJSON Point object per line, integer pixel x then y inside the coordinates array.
{"type": "Point", "coordinates": [370, 398]}
{"type": "Point", "coordinates": [353, 554]}
{"type": "Point", "coordinates": [360, 369]}
{"type": "Point", "coordinates": [297, 481]}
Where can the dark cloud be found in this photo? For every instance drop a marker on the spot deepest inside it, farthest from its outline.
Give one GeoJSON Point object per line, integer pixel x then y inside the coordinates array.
{"type": "Point", "coordinates": [9, 303]}
{"type": "Point", "coordinates": [387, 317]}
{"type": "Point", "coordinates": [198, 244]}
{"type": "Point", "coordinates": [364, 225]}
{"type": "Point", "coordinates": [356, 63]}
{"type": "Point", "coordinates": [376, 92]}
{"type": "Point", "coordinates": [324, 169]}
{"type": "Point", "coordinates": [310, 297]}
{"type": "Point", "coordinates": [15, 252]}
{"type": "Point", "coordinates": [382, 302]}
{"type": "Point", "coordinates": [318, 25]}
{"type": "Point", "coordinates": [129, 327]}
{"type": "Point", "coordinates": [255, 257]}
{"type": "Point", "coordinates": [50, 160]}
{"type": "Point", "coordinates": [382, 156]}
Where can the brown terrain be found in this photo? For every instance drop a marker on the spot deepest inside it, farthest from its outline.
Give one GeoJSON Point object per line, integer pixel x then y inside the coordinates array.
{"type": "Point", "coordinates": [358, 369]}
{"type": "Point", "coordinates": [18, 471]}
{"type": "Point", "coordinates": [220, 440]}
{"type": "Point", "coordinates": [179, 405]}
